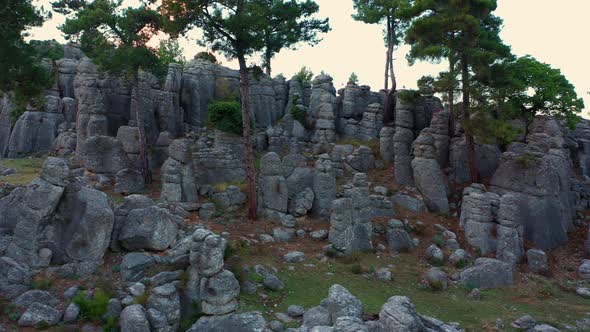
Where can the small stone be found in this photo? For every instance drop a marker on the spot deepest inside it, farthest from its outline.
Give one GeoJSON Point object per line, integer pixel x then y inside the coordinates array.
{"type": "Point", "coordinates": [283, 317]}
{"type": "Point", "coordinates": [288, 221]}
{"type": "Point", "coordinates": [72, 312]}
{"type": "Point", "coordinates": [294, 257]}
{"type": "Point", "coordinates": [583, 292]}
{"type": "Point", "coordinates": [71, 292]}
{"type": "Point", "coordinates": [282, 234]}
{"type": "Point", "coordinates": [475, 294]}
{"type": "Point", "coordinates": [38, 313]}
{"type": "Point", "coordinates": [537, 261]}
{"type": "Point", "coordinates": [525, 322]}
{"type": "Point", "coordinates": [137, 289]}
{"type": "Point", "coordinates": [383, 274]}
{"type": "Point", "coordinates": [300, 233]}
{"type": "Point", "coordinates": [295, 311]}
{"type": "Point", "coordinates": [276, 326]}
{"type": "Point", "coordinates": [436, 279]}
{"type": "Point", "coordinates": [319, 235]}
{"type": "Point", "coordinates": [435, 254]}
{"type": "Point", "coordinates": [265, 238]}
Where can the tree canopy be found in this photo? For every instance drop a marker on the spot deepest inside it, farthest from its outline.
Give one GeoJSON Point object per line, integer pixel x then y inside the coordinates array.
{"type": "Point", "coordinates": [394, 15]}
{"type": "Point", "coordinates": [114, 37]}
{"type": "Point", "coordinates": [288, 24]}
{"type": "Point", "coordinates": [21, 71]}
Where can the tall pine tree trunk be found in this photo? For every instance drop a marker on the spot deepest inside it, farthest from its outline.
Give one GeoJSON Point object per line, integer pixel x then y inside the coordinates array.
{"type": "Point", "coordinates": [245, 96]}
{"type": "Point", "coordinates": [267, 60]}
{"type": "Point", "coordinates": [452, 64]}
{"type": "Point", "coordinates": [391, 31]}
{"type": "Point", "coordinates": [145, 164]}
{"type": "Point", "coordinates": [465, 117]}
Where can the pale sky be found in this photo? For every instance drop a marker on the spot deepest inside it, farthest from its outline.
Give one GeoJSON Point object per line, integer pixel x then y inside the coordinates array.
{"type": "Point", "coordinates": [552, 31]}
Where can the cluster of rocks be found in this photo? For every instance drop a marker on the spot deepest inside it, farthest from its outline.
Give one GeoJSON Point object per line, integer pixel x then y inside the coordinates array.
{"type": "Point", "coordinates": [341, 311]}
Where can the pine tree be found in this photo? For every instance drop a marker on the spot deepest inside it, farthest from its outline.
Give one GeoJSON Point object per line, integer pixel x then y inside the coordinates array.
{"type": "Point", "coordinates": [116, 39]}
{"type": "Point", "coordinates": [288, 24]}
{"type": "Point", "coordinates": [466, 34]}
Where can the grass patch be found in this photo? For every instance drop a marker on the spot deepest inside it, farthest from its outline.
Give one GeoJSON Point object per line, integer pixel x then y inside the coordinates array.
{"type": "Point", "coordinates": [222, 187]}
{"type": "Point", "coordinates": [94, 308]}
{"type": "Point", "coordinates": [26, 170]}
{"type": "Point", "coordinates": [308, 286]}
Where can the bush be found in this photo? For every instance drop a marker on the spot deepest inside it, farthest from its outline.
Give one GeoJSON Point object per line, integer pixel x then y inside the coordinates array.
{"type": "Point", "coordinates": [226, 116]}
{"type": "Point", "coordinates": [353, 78]}
{"type": "Point", "coordinates": [409, 96]}
{"type": "Point", "coordinates": [526, 161]}
{"type": "Point", "coordinates": [426, 85]}
{"type": "Point", "coordinates": [305, 75]}
{"type": "Point", "coordinates": [92, 309]}
{"type": "Point", "coordinates": [207, 56]}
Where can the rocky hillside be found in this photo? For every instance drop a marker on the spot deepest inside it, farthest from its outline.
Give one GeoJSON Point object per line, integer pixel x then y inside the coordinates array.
{"type": "Point", "coordinates": [363, 226]}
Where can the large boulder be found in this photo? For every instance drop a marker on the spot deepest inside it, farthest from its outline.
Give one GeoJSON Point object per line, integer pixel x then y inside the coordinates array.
{"type": "Point", "coordinates": [399, 314]}
{"type": "Point", "coordinates": [152, 228]}
{"type": "Point", "coordinates": [103, 154]}
{"type": "Point", "coordinates": [33, 132]}
{"type": "Point", "coordinates": [430, 181]}
{"type": "Point", "coordinates": [83, 226]}
{"type": "Point", "coordinates": [351, 225]}
{"type": "Point", "coordinates": [240, 322]}
{"type": "Point", "coordinates": [487, 273]}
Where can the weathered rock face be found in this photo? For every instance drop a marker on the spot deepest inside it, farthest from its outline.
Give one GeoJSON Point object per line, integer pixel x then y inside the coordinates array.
{"type": "Point", "coordinates": [273, 195]}
{"type": "Point", "coordinates": [242, 322]}
{"type": "Point", "coordinates": [33, 132]}
{"type": "Point", "coordinates": [322, 108]}
{"type": "Point", "coordinates": [152, 228]}
{"type": "Point", "coordinates": [351, 219]}
{"type": "Point", "coordinates": [489, 224]}
{"type": "Point", "coordinates": [92, 119]}
{"type": "Point", "coordinates": [488, 273]}
{"type": "Point", "coordinates": [103, 154]}
{"type": "Point", "coordinates": [217, 166]}
{"type": "Point", "coordinates": [430, 181]}
{"type": "Point", "coordinates": [324, 186]}
{"type": "Point", "coordinates": [478, 213]}
{"type": "Point", "coordinates": [68, 222]}
{"type": "Point", "coordinates": [399, 314]}
{"type": "Point", "coordinates": [487, 159]}
{"type": "Point", "coordinates": [203, 82]}
{"type": "Point", "coordinates": [215, 289]}
{"type": "Point", "coordinates": [177, 174]}
{"type": "Point", "coordinates": [83, 226]}
{"type": "Point", "coordinates": [537, 177]}
{"type": "Point", "coordinates": [6, 107]}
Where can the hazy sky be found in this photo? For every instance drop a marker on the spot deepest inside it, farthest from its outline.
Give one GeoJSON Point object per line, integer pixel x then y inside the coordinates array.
{"type": "Point", "coordinates": [554, 32]}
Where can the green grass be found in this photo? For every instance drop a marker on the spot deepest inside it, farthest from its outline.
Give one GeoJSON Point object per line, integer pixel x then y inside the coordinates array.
{"type": "Point", "coordinates": [308, 286]}
{"type": "Point", "coordinates": [26, 170]}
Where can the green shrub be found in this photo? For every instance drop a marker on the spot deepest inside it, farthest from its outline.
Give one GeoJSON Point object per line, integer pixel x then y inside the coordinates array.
{"type": "Point", "coordinates": [92, 309]}
{"type": "Point", "coordinates": [409, 96]}
{"type": "Point", "coordinates": [353, 78]}
{"type": "Point", "coordinates": [305, 75]}
{"type": "Point", "coordinates": [111, 325]}
{"type": "Point", "coordinates": [226, 116]}
{"type": "Point", "coordinates": [439, 240]}
{"type": "Point", "coordinates": [526, 161]}
{"type": "Point", "coordinates": [255, 277]}
{"type": "Point", "coordinates": [48, 49]}
{"type": "Point", "coordinates": [297, 113]}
